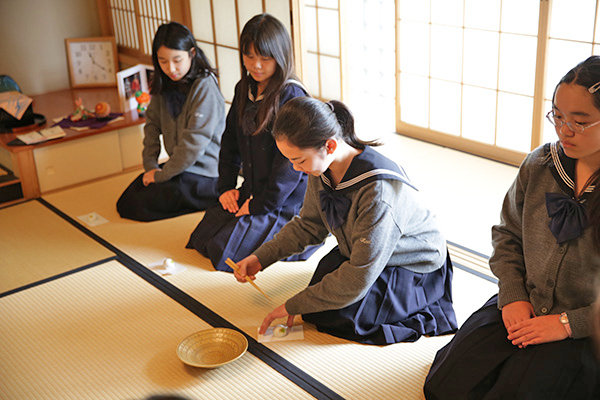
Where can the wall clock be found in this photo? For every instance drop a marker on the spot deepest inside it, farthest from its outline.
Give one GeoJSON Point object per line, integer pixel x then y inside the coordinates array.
{"type": "Point", "coordinates": [92, 61]}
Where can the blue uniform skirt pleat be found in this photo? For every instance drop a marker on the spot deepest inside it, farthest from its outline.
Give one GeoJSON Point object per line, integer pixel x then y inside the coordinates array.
{"type": "Point", "coordinates": [481, 363]}
{"type": "Point", "coordinates": [183, 194]}
{"type": "Point", "coordinates": [400, 306]}
{"type": "Point", "coordinates": [221, 235]}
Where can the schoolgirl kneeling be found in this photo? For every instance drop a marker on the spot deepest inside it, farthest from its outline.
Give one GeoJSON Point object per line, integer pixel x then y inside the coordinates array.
{"type": "Point", "coordinates": [389, 278]}
{"type": "Point", "coordinates": [532, 339]}
{"type": "Point", "coordinates": [188, 110]}
{"type": "Point", "coordinates": [271, 192]}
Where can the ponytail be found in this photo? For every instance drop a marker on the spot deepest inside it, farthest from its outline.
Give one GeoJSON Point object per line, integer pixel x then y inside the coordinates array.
{"type": "Point", "coordinates": [346, 121]}
{"type": "Point", "coordinates": [306, 122]}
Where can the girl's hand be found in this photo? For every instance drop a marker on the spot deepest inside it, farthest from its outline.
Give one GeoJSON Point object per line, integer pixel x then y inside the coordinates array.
{"type": "Point", "coordinates": [279, 312]}
{"type": "Point", "coordinates": [249, 266]}
{"type": "Point", "coordinates": [148, 176]}
{"type": "Point", "coordinates": [516, 312]}
{"type": "Point", "coordinates": [537, 330]}
{"type": "Point", "coordinates": [229, 200]}
{"type": "Point", "coordinates": [244, 209]}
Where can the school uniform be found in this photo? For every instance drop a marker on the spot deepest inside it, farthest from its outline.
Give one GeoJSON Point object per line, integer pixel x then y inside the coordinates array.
{"type": "Point", "coordinates": [187, 182]}
{"type": "Point", "coordinates": [389, 278]}
{"type": "Point", "coordinates": [275, 189]}
{"type": "Point", "coordinates": [544, 253]}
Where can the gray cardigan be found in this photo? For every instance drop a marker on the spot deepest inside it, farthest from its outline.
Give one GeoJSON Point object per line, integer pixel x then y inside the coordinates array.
{"type": "Point", "coordinates": [528, 261]}
{"type": "Point", "coordinates": [387, 225]}
{"type": "Point", "coordinates": [193, 140]}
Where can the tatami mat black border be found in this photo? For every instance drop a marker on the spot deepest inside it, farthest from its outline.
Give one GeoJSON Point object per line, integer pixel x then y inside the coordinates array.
{"type": "Point", "coordinates": [470, 270]}
{"type": "Point", "coordinates": [271, 358]}
{"type": "Point", "coordinates": [469, 250]}
{"type": "Point", "coordinates": [476, 273]}
{"type": "Point", "coordinates": [58, 276]}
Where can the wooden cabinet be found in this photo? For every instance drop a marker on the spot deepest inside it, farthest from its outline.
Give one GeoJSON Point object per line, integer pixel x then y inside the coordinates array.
{"type": "Point", "coordinates": [81, 155]}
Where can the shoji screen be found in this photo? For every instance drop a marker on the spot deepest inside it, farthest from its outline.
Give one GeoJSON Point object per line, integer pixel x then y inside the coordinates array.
{"type": "Point", "coordinates": [323, 63]}
{"type": "Point", "coordinates": [217, 24]}
{"type": "Point", "coordinates": [134, 22]}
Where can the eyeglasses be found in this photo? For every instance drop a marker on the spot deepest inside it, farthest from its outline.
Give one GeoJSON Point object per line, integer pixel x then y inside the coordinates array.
{"type": "Point", "coordinates": [558, 121]}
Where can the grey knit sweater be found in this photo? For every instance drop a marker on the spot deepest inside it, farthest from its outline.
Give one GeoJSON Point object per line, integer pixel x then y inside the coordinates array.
{"type": "Point", "coordinates": [528, 261]}
{"type": "Point", "coordinates": [387, 224]}
{"type": "Point", "coordinates": [193, 139]}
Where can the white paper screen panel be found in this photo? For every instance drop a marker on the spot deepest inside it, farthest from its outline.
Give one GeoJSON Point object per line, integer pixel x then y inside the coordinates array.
{"type": "Point", "coordinates": [123, 16]}
{"type": "Point", "coordinates": [217, 25]}
{"type": "Point", "coordinates": [280, 9]}
{"type": "Point", "coordinates": [311, 73]}
{"type": "Point", "coordinates": [328, 3]}
{"type": "Point", "coordinates": [329, 32]}
{"type": "Point", "coordinates": [248, 9]}
{"type": "Point", "coordinates": [150, 13]}
{"type": "Point", "coordinates": [209, 52]}
{"type": "Point", "coordinates": [225, 26]}
{"type": "Point", "coordinates": [330, 77]}
{"type": "Point", "coordinates": [202, 24]}
{"type": "Point", "coordinates": [310, 29]}
{"type": "Point", "coordinates": [322, 65]}
{"type": "Point", "coordinates": [229, 70]}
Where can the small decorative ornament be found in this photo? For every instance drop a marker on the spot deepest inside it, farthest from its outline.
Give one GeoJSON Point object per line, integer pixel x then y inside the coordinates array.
{"type": "Point", "coordinates": [80, 113]}
{"type": "Point", "coordinates": [102, 109]}
{"type": "Point", "coordinates": [143, 99]}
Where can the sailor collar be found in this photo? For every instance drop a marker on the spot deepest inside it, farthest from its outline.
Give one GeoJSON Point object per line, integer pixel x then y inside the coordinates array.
{"type": "Point", "coordinates": [261, 96]}
{"type": "Point", "coordinates": [568, 216]}
{"type": "Point", "coordinates": [563, 170]}
{"type": "Point", "coordinates": [251, 96]}
{"type": "Point", "coordinates": [366, 167]}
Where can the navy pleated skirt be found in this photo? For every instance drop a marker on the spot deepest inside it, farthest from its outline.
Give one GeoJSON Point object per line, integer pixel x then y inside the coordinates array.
{"type": "Point", "coordinates": [400, 306]}
{"type": "Point", "coordinates": [221, 235]}
{"type": "Point", "coordinates": [481, 363]}
{"type": "Point", "coordinates": [183, 194]}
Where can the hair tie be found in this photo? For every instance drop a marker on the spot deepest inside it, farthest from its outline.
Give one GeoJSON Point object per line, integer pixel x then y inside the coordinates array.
{"type": "Point", "coordinates": [330, 106]}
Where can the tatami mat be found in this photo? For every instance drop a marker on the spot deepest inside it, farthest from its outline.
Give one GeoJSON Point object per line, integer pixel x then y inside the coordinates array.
{"type": "Point", "coordinates": [147, 242]}
{"type": "Point", "coordinates": [36, 244]}
{"type": "Point", "coordinates": [104, 333]}
{"type": "Point", "coordinates": [352, 370]}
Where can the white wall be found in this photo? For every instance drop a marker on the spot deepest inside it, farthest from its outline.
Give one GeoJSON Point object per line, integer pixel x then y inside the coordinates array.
{"type": "Point", "coordinates": [32, 40]}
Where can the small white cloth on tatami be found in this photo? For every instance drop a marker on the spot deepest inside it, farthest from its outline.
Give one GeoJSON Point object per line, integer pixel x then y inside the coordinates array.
{"type": "Point", "coordinates": [296, 332]}
{"type": "Point", "coordinates": [167, 266]}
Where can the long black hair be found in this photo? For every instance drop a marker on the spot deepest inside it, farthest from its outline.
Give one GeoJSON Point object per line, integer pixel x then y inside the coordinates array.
{"type": "Point", "coordinates": [176, 36]}
{"type": "Point", "coordinates": [270, 39]}
{"type": "Point", "coordinates": [587, 74]}
{"type": "Point", "coordinates": [306, 122]}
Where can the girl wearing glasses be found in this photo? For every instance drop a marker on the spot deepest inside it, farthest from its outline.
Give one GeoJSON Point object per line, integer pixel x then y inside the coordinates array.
{"type": "Point", "coordinates": [532, 339]}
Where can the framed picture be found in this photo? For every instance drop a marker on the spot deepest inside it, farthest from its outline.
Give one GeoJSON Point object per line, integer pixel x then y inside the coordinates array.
{"type": "Point", "coordinates": [132, 80]}
{"type": "Point", "coordinates": [92, 61]}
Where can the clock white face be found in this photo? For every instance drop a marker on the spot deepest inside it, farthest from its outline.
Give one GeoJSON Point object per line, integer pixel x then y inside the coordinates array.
{"type": "Point", "coordinates": [92, 63]}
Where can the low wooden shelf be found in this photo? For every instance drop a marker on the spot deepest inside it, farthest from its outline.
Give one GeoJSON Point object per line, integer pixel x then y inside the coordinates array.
{"type": "Point", "coordinates": [55, 105]}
